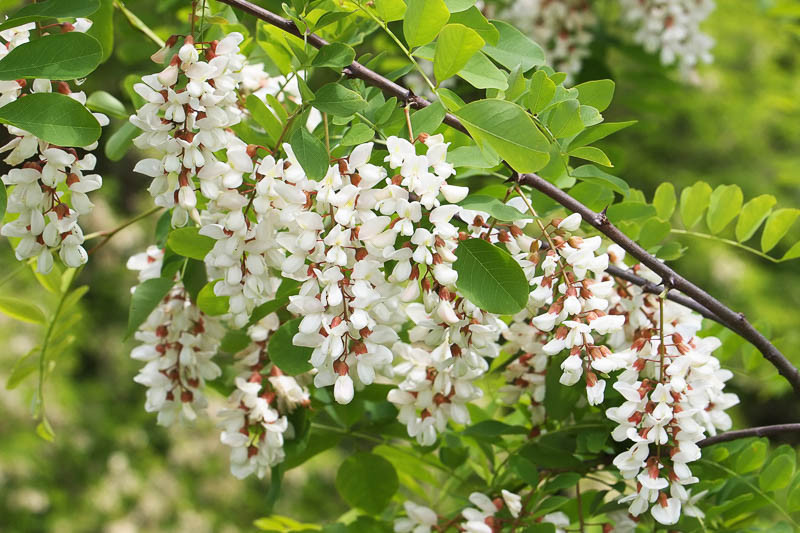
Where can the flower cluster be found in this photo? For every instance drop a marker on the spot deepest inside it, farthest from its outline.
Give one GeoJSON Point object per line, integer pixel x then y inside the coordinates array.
{"type": "Point", "coordinates": [256, 423]}
{"type": "Point", "coordinates": [562, 27]}
{"type": "Point", "coordinates": [671, 28]}
{"type": "Point", "coordinates": [478, 519]}
{"type": "Point", "coordinates": [50, 183]}
{"type": "Point", "coordinates": [673, 391]}
{"type": "Point", "coordinates": [178, 343]}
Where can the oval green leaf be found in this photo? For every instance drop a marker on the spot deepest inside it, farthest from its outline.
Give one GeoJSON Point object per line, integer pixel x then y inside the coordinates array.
{"type": "Point", "coordinates": [423, 20]}
{"type": "Point", "coordinates": [490, 278]}
{"type": "Point", "coordinates": [210, 303]}
{"type": "Point", "coordinates": [22, 310]}
{"type": "Point", "coordinates": [189, 243]}
{"type": "Point", "coordinates": [596, 93]}
{"type": "Point", "coordinates": [753, 214]}
{"type": "Point", "coordinates": [310, 153]}
{"type": "Point", "coordinates": [777, 226]}
{"type": "Point", "coordinates": [367, 481]}
{"type": "Point", "coordinates": [514, 48]}
{"type": "Point", "coordinates": [336, 99]}
{"type": "Point", "coordinates": [454, 47]}
{"type": "Point", "coordinates": [509, 130]}
{"type": "Point", "coordinates": [146, 297]}
{"type": "Point", "coordinates": [724, 205]}
{"type": "Point", "coordinates": [51, 9]}
{"type": "Point", "coordinates": [53, 117]}
{"type": "Point", "coordinates": [106, 103]}
{"type": "Point", "coordinates": [291, 359]}
{"type": "Point", "coordinates": [665, 200]}
{"type": "Point", "coordinates": [64, 56]}
{"type": "Point", "coordinates": [694, 201]}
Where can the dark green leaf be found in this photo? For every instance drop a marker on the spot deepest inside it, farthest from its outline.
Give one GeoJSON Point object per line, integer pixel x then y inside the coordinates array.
{"type": "Point", "coordinates": [210, 303]}
{"type": "Point", "coordinates": [425, 120]}
{"type": "Point", "coordinates": [265, 117]}
{"type": "Point", "coordinates": [103, 27]}
{"type": "Point", "coordinates": [146, 297]}
{"type": "Point", "coordinates": [593, 174]}
{"type": "Point", "coordinates": [334, 55]}
{"type": "Point", "coordinates": [310, 153]}
{"type": "Point", "coordinates": [491, 429]}
{"type": "Point", "coordinates": [51, 9]}
{"type": "Point", "coordinates": [336, 99]}
{"type": "Point", "coordinates": [120, 141]}
{"type": "Point", "coordinates": [525, 469]}
{"type": "Point", "coordinates": [189, 243]}
{"type": "Point", "coordinates": [779, 471]}
{"type": "Point", "coordinates": [490, 278]}
{"type": "Point", "coordinates": [53, 117]}
{"type": "Point", "coordinates": [367, 481]}
{"type": "Point", "coordinates": [291, 359]}
{"type": "Point", "coordinates": [63, 56]}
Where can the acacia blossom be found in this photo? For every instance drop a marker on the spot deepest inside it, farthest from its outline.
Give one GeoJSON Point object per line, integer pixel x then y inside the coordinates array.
{"type": "Point", "coordinates": [49, 183]}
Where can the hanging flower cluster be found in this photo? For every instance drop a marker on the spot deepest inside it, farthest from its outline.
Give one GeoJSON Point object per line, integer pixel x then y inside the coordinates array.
{"type": "Point", "coordinates": [256, 423]}
{"type": "Point", "coordinates": [671, 28]}
{"type": "Point", "coordinates": [50, 183]}
{"type": "Point", "coordinates": [562, 27]}
{"type": "Point", "coordinates": [178, 343]}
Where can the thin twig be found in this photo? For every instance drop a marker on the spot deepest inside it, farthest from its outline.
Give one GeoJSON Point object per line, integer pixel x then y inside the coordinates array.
{"type": "Point", "coordinates": [729, 318]}
{"type": "Point", "coordinates": [761, 431]}
{"type": "Point", "coordinates": [107, 235]}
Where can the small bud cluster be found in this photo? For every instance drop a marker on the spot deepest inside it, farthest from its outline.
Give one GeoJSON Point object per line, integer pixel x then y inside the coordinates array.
{"type": "Point", "coordinates": [178, 343]}
{"type": "Point", "coordinates": [671, 28]}
{"type": "Point", "coordinates": [562, 27]}
{"type": "Point", "coordinates": [50, 183]}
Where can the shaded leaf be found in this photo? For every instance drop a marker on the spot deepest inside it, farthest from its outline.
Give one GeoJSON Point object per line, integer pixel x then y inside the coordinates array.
{"type": "Point", "coordinates": [367, 481]}
{"type": "Point", "coordinates": [490, 278]}
{"type": "Point", "coordinates": [53, 117]}
{"type": "Point", "coordinates": [291, 359]}
{"type": "Point", "coordinates": [63, 56]}
{"type": "Point", "coordinates": [145, 298]}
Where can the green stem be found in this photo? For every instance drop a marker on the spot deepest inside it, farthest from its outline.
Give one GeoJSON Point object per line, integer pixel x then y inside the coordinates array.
{"type": "Point", "coordinates": [400, 45]}
{"type": "Point", "coordinates": [137, 23]}
{"type": "Point", "coordinates": [108, 234]}
{"type": "Point", "coordinates": [725, 241]}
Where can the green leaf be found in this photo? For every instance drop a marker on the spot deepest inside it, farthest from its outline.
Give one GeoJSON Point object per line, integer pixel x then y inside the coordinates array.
{"type": "Point", "coordinates": [51, 9]}
{"type": "Point", "coordinates": [514, 48]}
{"type": "Point", "coordinates": [265, 117]}
{"type": "Point", "coordinates": [423, 20]}
{"type": "Point", "coordinates": [490, 278]}
{"type": "Point", "coordinates": [189, 243]}
{"type": "Point", "coordinates": [509, 130]}
{"type": "Point", "coordinates": [544, 527]}
{"type": "Point", "coordinates": [481, 73]}
{"type": "Point", "coordinates": [596, 93]}
{"type": "Point", "coordinates": [752, 456]}
{"type": "Point", "coordinates": [338, 100]}
{"type": "Point", "coordinates": [64, 56]}
{"type": "Point", "coordinates": [146, 297]}
{"type": "Point", "coordinates": [777, 226]}
{"type": "Point", "coordinates": [334, 55]}
{"type": "Point", "coordinates": [525, 469]}
{"type": "Point", "coordinates": [792, 253]}
{"type": "Point", "coordinates": [779, 471]}
{"type": "Point", "coordinates": [367, 481]}
{"type": "Point", "coordinates": [53, 117]}
{"type": "Point", "coordinates": [210, 303]}
{"type": "Point", "coordinates": [22, 310]}
{"type": "Point", "coordinates": [450, 99]}
{"type": "Point", "coordinates": [597, 132]}
{"type": "Point", "coordinates": [753, 214]}
{"type": "Point", "coordinates": [357, 134]}
{"type": "Point", "coordinates": [472, 157]}
{"type": "Point", "coordinates": [390, 10]}
{"type": "Point", "coordinates": [105, 103]}
{"type": "Point", "coordinates": [724, 205]}
{"type": "Point", "coordinates": [595, 196]}
{"type": "Point", "coordinates": [593, 174]}
{"type": "Point", "coordinates": [120, 141]}
{"type": "Point", "coordinates": [626, 211]}
{"type": "Point", "coordinates": [694, 201]}
{"type": "Point", "coordinates": [473, 18]}
{"type": "Point", "coordinates": [665, 200]}
{"type": "Point", "coordinates": [541, 91]}
{"type": "Point", "coordinates": [23, 367]}
{"type": "Point", "coordinates": [565, 119]}
{"type": "Point", "coordinates": [654, 230]}
{"type": "Point", "coordinates": [310, 153]}
{"type": "Point", "coordinates": [45, 430]}
{"type": "Point", "coordinates": [590, 153]}
{"type": "Point", "coordinates": [283, 523]}
{"type": "Point", "coordinates": [459, 5]}
{"type": "Point", "coordinates": [455, 45]}
{"type": "Point", "coordinates": [103, 27]}
{"type": "Point", "coordinates": [291, 359]}
{"type": "Point", "coordinates": [494, 207]}
{"type": "Point", "coordinates": [491, 429]}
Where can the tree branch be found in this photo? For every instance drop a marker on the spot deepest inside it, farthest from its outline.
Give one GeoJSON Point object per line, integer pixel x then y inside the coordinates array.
{"type": "Point", "coordinates": [734, 321]}
{"type": "Point", "coordinates": [761, 431]}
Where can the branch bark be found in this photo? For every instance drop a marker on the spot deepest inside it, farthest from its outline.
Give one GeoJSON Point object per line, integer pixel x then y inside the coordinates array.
{"type": "Point", "coordinates": [715, 309]}
{"type": "Point", "coordinates": [761, 431]}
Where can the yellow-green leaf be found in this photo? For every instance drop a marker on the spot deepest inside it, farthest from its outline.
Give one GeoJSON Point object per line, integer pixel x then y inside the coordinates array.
{"type": "Point", "coordinates": [753, 214]}
{"type": "Point", "coordinates": [724, 205]}
{"type": "Point", "coordinates": [694, 201]}
{"type": "Point", "coordinates": [777, 226]}
{"type": "Point", "coordinates": [455, 45]}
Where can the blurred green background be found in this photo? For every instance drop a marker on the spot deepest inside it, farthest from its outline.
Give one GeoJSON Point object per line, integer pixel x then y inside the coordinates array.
{"type": "Point", "coordinates": [111, 469]}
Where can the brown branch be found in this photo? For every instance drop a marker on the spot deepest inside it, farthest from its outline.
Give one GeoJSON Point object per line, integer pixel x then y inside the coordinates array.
{"type": "Point", "coordinates": [729, 318]}
{"type": "Point", "coordinates": [761, 431]}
